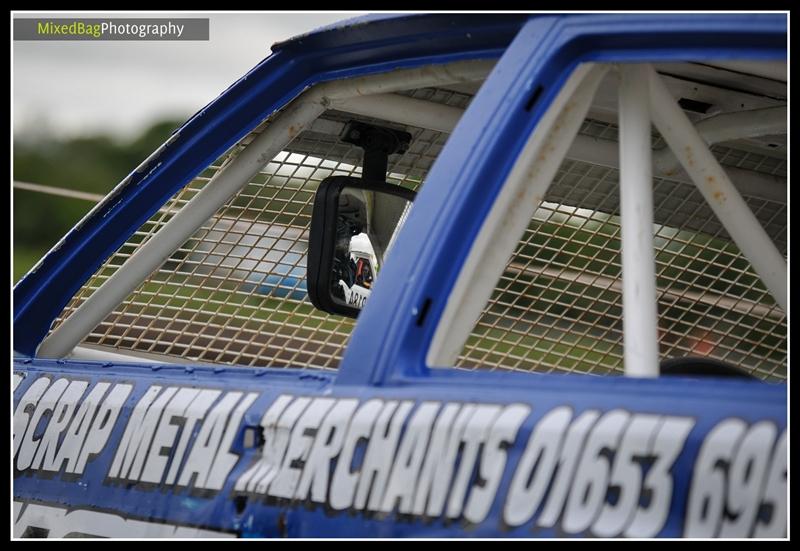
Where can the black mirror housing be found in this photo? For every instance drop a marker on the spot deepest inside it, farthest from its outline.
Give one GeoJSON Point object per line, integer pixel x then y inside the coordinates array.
{"type": "Point", "coordinates": [353, 224]}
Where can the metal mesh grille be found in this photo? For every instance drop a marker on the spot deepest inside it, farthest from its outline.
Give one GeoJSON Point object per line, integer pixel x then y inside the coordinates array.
{"type": "Point", "coordinates": [235, 293]}
{"type": "Point", "coordinates": [750, 161]}
{"type": "Point", "coordinates": [558, 304]}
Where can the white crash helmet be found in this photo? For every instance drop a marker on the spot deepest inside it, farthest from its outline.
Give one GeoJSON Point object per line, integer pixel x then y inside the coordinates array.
{"type": "Point", "coordinates": [363, 256]}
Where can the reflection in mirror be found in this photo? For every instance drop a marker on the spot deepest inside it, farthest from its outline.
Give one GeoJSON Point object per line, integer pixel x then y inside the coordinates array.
{"type": "Point", "coordinates": [353, 227]}
{"type": "Point", "coordinates": [367, 223]}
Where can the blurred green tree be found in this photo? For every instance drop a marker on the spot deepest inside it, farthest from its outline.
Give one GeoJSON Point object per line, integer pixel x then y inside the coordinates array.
{"type": "Point", "coordinates": [88, 163]}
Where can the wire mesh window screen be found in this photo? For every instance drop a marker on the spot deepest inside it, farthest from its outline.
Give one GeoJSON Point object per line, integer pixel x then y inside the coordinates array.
{"type": "Point", "coordinates": [558, 304]}
{"type": "Point", "coordinates": [235, 292]}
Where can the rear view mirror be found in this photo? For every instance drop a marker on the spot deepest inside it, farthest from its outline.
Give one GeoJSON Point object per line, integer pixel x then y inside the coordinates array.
{"type": "Point", "coordinates": [353, 227]}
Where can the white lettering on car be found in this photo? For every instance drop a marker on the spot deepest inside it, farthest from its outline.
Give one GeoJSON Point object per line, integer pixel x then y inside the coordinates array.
{"type": "Point", "coordinates": [591, 472]}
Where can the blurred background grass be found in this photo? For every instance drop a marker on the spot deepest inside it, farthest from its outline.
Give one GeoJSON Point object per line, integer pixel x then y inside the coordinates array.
{"type": "Point", "coordinates": [91, 163]}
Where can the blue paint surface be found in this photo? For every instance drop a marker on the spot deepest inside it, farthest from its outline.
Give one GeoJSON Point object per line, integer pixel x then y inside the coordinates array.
{"type": "Point", "coordinates": [707, 402]}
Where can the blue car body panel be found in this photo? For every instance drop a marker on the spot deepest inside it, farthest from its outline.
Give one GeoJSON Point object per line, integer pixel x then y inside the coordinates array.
{"type": "Point", "coordinates": [703, 412]}
{"type": "Point", "coordinates": [306, 453]}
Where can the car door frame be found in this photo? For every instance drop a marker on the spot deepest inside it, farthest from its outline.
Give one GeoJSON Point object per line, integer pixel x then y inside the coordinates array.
{"type": "Point", "coordinates": [471, 171]}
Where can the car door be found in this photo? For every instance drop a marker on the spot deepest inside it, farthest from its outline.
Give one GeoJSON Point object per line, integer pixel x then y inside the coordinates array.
{"type": "Point", "coordinates": [502, 286]}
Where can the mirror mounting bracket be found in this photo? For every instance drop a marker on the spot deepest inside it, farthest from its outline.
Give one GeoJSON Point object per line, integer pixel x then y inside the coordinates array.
{"type": "Point", "coordinates": [378, 142]}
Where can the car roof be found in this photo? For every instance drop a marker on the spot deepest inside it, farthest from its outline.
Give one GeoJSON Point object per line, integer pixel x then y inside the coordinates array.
{"type": "Point", "coordinates": [394, 27]}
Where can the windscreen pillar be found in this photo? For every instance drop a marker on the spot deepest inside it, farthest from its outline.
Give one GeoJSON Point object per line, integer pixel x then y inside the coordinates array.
{"type": "Point", "coordinates": [639, 300]}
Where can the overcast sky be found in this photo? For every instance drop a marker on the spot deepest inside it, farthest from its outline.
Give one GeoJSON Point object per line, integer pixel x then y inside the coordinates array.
{"type": "Point", "coordinates": [70, 88]}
